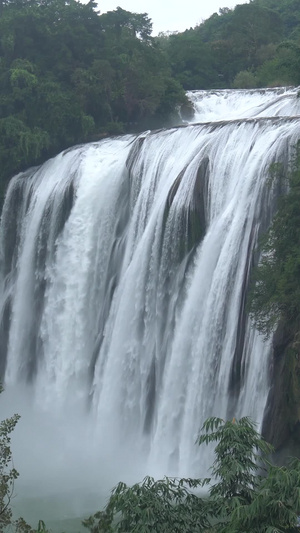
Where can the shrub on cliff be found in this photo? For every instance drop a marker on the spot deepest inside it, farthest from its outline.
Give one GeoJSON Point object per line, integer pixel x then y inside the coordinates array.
{"type": "Point", "coordinates": [275, 294]}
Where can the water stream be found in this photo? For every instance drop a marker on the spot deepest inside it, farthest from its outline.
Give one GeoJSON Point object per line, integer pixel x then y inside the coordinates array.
{"type": "Point", "coordinates": [124, 272]}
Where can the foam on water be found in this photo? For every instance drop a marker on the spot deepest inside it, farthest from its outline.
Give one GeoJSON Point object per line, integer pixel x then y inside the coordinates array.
{"type": "Point", "coordinates": [243, 103]}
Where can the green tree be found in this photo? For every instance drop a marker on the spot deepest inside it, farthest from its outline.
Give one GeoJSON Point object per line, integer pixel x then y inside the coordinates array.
{"type": "Point", "coordinates": [123, 22]}
{"type": "Point", "coordinates": [244, 80]}
{"type": "Point", "coordinates": [8, 476]}
{"type": "Point", "coordinates": [229, 42]}
{"type": "Point", "coordinates": [245, 494]}
{"type": "Point", "coordinates": [191, 60]}
{"type": "Point", "coordinates": [289, 13]}
{"type": "Point", "coordinates": [157, 506]}
{"type": "Point", "coordinates": [69, 75]}
{"type": "Point", "coordinates": [283, 68]}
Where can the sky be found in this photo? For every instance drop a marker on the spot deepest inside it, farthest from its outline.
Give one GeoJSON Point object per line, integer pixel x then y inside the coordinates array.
{"type": "Point", "coordinates": [171, 15]}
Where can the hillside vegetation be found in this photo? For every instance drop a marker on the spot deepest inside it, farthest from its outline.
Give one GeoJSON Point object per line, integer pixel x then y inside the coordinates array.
{"type": "Point", "coordinates": [69, 74]}
{"type": "Point", "coordinates": [253, 45]}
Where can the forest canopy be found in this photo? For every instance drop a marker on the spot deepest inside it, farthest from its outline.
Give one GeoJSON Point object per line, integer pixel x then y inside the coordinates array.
{"type": "Point", "coordinates": [69, 74]}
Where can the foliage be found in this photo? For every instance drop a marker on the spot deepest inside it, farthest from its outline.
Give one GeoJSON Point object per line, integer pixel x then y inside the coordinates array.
{"type": "Point", "coordinates": [244, 80]}
{"type": "Point", "coordinates": [213, 53]}
{"type": "Point", "coordinates": [259, 38]}
{"type": "Point", "coordinates": [236, 457]}
{"type": "Point", "coordinates": [164, 505]}
{"type": "Point", "coordinates": [283, 68]}
{"type": "Point", "coordinates": [275, 292]}
{"type": "Point", "coordinates": [8, 475]}
{"type": "Point", "coordinates": [289, 13]}
{"type": "Point", "coordinates": [275, 506]}
{"type": "Point", "coordinates": [191, 60]}
{"type": "Point", "coordinates": [69, 75]}
{"type": "Point", "coordinates": [245, 494]}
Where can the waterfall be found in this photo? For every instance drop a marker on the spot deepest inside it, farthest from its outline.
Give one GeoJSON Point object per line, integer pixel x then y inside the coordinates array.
{"type": "Point", "coordinates": [243, 103]}
{"type": "Point", "coordinates": [125, 265]}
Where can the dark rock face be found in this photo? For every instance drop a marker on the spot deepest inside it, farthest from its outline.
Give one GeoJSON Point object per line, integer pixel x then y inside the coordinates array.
{"type": "Point", "coordinates": [281, 424]}
{"type": "Point", "coordinates": [187, 111]}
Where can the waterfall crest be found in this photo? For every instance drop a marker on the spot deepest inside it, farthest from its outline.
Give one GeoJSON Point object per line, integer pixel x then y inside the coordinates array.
{"type": "Point", "coordinates": [232, 104]}
{"type": "Point", "coordinates": [125, 265]}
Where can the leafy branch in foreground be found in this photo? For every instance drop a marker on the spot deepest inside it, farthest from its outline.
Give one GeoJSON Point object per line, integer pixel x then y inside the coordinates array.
{"type": "Point", "coordinates": [239, 454]}
{"type": "Point", "coordinates": [164, 505]}
{"type": "Point", "coordinates": [249, 494]}
{"type": "Point", "coordinates": [246, 493]}
{"type": "Point", "coordinates": [8, 475]}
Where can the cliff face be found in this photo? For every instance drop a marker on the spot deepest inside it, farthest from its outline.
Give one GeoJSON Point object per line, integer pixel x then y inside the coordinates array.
{"type": "Point", "coordinates": [281, 425]}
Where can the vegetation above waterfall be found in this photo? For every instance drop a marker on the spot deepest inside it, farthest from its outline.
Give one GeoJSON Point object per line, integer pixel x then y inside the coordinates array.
{"type": "Point", "coordinates": [245, 494]}
{"type": "Point", "coordinates": [69, 74]}
{"type": "Point", "coordinates": [253, 45]}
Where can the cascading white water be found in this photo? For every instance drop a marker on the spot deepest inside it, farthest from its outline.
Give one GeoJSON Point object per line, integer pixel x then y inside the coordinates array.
{"type": "Point", "coordinates": [125, 265]}
{"type": "Point", "coordinates": [227, 104]}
